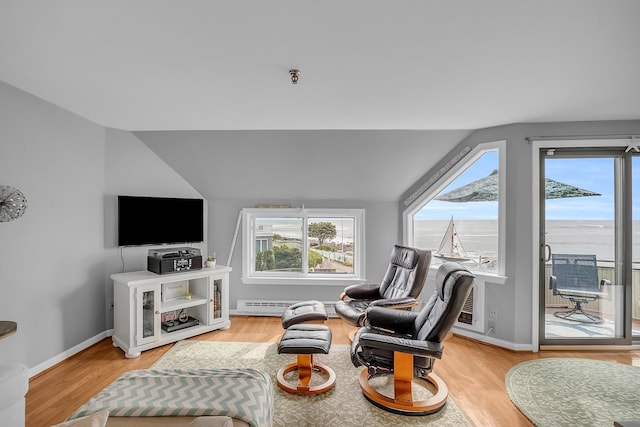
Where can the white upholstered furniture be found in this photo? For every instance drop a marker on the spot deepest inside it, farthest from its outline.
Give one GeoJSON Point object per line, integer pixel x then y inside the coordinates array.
{"type": "Point", "coordinates": [177, 396]}
{"type": "Point", "coordinates": [14, 383]}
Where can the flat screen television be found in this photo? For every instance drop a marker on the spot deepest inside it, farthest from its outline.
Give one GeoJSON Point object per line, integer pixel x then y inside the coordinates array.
{"type": "Point", "coordinates": [159, 220]}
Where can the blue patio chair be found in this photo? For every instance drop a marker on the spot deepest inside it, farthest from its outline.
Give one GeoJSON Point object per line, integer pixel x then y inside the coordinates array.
{"type": "Point", "coordinates": [575, 277]}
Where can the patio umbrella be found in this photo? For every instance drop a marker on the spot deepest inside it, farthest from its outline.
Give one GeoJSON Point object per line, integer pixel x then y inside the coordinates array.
{"type": "Point", "coordinates": [486, 190]}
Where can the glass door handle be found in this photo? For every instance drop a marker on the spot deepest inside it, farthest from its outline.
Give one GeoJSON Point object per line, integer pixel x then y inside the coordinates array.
{"type": "Point", "coordinates": [547, 253]}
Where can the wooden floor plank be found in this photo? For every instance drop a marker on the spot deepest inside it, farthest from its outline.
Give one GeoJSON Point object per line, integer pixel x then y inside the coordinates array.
{"type": "Point", "coordinates": [473, 371]}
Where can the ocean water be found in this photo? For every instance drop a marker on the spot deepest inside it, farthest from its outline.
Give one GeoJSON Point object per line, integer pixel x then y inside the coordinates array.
{"type": "Point", "coordinates": [481, 236]}
{"type": "Point", "coordinates": [563, 236]}
{"type": "Point", "coordinates": [292, 228]}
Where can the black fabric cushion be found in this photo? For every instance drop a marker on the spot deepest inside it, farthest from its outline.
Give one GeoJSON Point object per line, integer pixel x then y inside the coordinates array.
{"type": "Point", "coordinates": [405, 275]}
{"type": "Point", "coordinates": [352, 311]}
{"type": "Point", "coordinates": [430, 325]}
{"type": "Point", "coordinates": [453, 284]}
{"type": "Point", "coordinates": [381, 357]}
{"type": "Point", "coordinates": [305, 339]}
{"type": "Point", "coordinates": [397, 321]}
{"type": "Point", "coordinates": [404, 278]}
{"type": "Point", "coordinates": [363, 291]}
{"type": "Point", "coordinates": [301, 312]}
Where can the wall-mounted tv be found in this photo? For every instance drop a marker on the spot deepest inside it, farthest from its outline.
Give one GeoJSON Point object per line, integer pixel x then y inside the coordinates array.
{"type": "Point", "coordinates": [159, 220]}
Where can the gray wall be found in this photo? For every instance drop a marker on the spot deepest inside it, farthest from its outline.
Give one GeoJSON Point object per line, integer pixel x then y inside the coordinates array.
{"type": "Point", "coordinates": [52, 258]}
{"type": "Point", "coordinates": [343, 169]}
{"type": "Point", "coordinates": [55, 261]}
{"type": "Point", "coordinates": [380, 232]}
{"type": "Point", "coordinates": [514, 298]}
{"type": "Point", "coordinates": [131, 168]}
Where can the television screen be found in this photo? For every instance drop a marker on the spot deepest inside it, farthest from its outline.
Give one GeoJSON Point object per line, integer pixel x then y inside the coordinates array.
{"type": "Point", "coordinates": [159, 220]}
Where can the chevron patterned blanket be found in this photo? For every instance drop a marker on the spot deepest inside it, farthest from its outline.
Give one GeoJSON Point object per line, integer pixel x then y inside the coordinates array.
{"type": "Point", "coordinates": [245, 394]}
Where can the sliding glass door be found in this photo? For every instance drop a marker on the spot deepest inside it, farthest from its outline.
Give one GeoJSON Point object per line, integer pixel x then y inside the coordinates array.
{"type": "Point", "coordinates": [585, 262]}
{"type": "Point", "coordinates": [635, 271]}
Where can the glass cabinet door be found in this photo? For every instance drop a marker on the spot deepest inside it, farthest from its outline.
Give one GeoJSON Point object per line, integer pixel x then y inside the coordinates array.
{"type": "Point", "coordinates": [147, 314]}
{"type": "Point", "coordinates": [216, 297]}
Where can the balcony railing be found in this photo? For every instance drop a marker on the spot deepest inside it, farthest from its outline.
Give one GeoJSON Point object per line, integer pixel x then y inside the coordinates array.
{"type": "Point", "coordinates": [606, 307]}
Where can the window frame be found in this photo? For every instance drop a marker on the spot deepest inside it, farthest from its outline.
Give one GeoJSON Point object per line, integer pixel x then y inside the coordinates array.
{"type": "Point", "coordinates": [550, 143]}
{"type": "Point", "coordinates": [449, 176]}
{"type": "Point", "coordinates": [250, 276]}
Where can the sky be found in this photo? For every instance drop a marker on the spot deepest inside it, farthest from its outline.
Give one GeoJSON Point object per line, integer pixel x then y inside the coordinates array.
{"type": "Point", "coordinates": [594, 174]}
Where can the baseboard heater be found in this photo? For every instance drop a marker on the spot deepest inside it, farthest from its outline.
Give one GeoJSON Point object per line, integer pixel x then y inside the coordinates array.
{"type": "Point", "coordinates": [466, 315]}
{"type": "Point", "coordinates": [274, 307]}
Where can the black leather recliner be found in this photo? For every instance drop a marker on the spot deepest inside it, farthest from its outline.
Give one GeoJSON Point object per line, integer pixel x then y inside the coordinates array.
{"type": "Point", "coordinates": [400, 287]}
{"type": "Point", "coordinates": [406, 344]}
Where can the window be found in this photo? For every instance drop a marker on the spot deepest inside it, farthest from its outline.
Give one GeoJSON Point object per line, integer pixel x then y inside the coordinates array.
{"type": "Point", "coordinates": [262, 245]}
{"type": "Point", "coordinates": [458, 218]}
{"type": "Point", "coordinates": [293, 246]}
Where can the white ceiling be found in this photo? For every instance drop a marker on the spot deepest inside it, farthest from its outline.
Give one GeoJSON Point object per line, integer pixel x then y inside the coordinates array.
{"type": "Point", "coordinates": [365, 64]}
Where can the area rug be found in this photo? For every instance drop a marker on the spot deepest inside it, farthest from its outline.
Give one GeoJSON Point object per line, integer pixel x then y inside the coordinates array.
{"type": "Point", "coordinates": [344, 405]}
{"type": "Point", "coordinates": [575, 392]}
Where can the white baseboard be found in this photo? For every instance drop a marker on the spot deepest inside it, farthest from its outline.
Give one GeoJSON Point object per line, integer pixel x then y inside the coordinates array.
{"type": "Point", "coordinates": [93, 340]}
{"type": "Point", "coordinates": [493, 341]}
{"type": "Point", "coordinates": [68, 353]}
{"type": "Point", "coordinates": [458, 331]}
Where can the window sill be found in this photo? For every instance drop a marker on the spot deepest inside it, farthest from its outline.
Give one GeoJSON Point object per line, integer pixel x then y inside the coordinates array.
{"type": "Point", "coordinates": [300, 281]}
{"type": "Point", "coordinates": [494, 278]}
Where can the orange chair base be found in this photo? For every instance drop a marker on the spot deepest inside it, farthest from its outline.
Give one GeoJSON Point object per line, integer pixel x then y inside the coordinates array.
{"type": "Point", "coordinates": [352, 334]}
{"type": "Point", "coordinates": [305, 366]}
{"type": "Point", "coordinates": [402, 402]}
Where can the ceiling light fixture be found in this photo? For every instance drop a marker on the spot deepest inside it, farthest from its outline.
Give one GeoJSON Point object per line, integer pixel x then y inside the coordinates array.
{"type": "Point", "coordinates": [294, 76]}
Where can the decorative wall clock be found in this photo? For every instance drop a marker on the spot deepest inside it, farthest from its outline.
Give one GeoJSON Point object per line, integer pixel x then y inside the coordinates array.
{"type": "Point", "coordinates": [12, 203]}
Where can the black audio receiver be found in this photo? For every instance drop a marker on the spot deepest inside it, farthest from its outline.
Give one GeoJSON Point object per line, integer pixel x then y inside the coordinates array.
{"type": "Point", "coordinates": [162, 261]}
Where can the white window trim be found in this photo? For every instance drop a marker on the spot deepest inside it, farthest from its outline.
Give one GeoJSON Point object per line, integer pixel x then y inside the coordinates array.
{"type": "Point", "coordinates": [446, 179]}
{"type": "Point", "coordinates": [249, 276]}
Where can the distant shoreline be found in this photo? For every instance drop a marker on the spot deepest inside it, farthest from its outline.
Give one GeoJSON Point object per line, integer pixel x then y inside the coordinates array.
{"type": "Point", "coordinates": [563, 236]}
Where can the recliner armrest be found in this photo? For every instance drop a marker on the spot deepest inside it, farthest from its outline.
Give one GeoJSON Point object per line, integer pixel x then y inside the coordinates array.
{"type": "Point", "coordinates": [390, 319]}
{"type": "Point", "coordinates": [404, 345]}
{"type": "Point", "coordinates": [362, 291]}
{"type": "Point", "coordinates": [405, 302]}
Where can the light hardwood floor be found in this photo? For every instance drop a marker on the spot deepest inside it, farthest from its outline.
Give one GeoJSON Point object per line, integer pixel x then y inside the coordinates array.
{"type": "Point", "coordinates": [473, 371]}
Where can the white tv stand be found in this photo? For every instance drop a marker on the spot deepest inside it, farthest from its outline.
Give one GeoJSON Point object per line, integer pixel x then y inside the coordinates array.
{"type": "Point", "coordinates": [144, 300]}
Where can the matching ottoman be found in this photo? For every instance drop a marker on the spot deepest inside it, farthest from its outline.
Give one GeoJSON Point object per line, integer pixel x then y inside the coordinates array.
{"type": "Point", "coordinates": [304, 312]}
{"type": "Point", "coordinates": [305, 340]}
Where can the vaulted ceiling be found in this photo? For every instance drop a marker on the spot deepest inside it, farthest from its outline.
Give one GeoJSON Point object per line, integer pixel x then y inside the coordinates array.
{"type": "Point", "coordinates": [365, 64]}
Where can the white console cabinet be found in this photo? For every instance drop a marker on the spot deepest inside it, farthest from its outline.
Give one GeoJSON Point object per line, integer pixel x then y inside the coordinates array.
{"type": "Point", "coordinates": [144, 300]}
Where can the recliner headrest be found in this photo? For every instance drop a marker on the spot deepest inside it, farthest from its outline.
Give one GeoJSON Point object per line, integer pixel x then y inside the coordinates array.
{"type": "Point", "coordinates": [404, 257]}
{"type": "Point", "coordinates": [443, 274]}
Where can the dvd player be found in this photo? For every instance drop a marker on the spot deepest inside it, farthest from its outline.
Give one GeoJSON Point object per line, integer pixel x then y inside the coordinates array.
{"type": "Point", "coordinates": [176, 325]}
